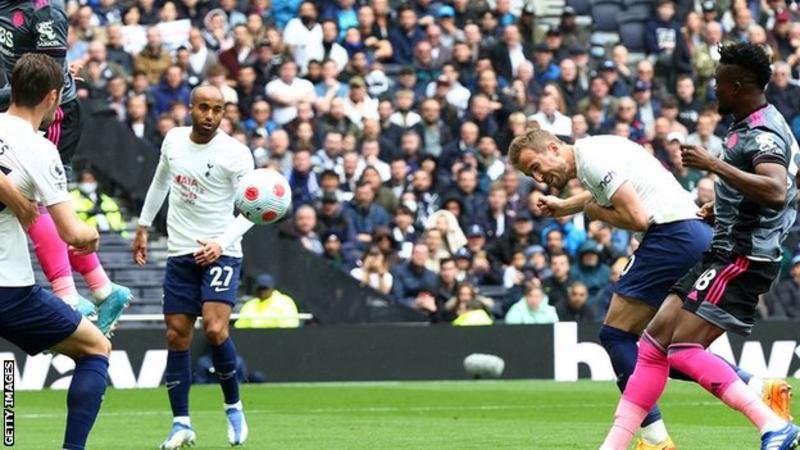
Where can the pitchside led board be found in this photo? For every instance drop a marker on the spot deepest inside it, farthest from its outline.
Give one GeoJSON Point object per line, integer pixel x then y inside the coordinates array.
{"type": "Point", "coordinates": [564, 352]}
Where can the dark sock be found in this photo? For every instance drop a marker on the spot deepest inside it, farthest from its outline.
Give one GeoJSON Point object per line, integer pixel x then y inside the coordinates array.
{"type": "Point", "coordinates": [623, 351]}
{"type": "Point", "coordinates": [224, 358]}
{"type": "Point", "coordinates": [178, 378]}
{"type": "Point", "coordinates": [84, 398]}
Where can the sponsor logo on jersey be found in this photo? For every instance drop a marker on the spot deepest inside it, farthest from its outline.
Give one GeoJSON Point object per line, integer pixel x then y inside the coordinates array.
{"type": "Point", "coordinates": [766, 143]}
{"type": "Point", "coordinates": [607, 179]}
{"type": "Point", "coordinates": [6, 38]}
{"type": "Point", "coordinates": [46, 35]}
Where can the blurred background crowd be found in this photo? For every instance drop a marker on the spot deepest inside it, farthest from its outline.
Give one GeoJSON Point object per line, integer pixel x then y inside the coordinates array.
{"type": "Point", "coordinates": [391, 122]}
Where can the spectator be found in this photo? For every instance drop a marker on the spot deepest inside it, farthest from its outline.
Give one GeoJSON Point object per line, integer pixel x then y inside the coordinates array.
{"type": "Point", "coordinates": [431, 129]}
{"type": "Point", "coordinates": [437, 248]}
{"type": "Point", "coordinates": [510, 53]}
{"type": "Point", "coordinates": [785, 96]}
{"type": "Point", "coordinates": [153, 60]}
{"type": "Point", "coordinates": [287, 91]}
{"type": "Point", "coordinates": [551, 119]}
{"type": "Point", "coordinates": [240, 54]}
{"type": "Point", "coordinates": [95, 208]}
{"type": "Point", "coordinates": [545, 68]}
{"type": "Point", "coordinates": [590, 269]}
{"type": "Point", "coordinates": [532, 308]}
{"type": "Point", "coordinates": [602, 300]}
{"type": "Point", "coordinates": [403, 230]}
{"type": "Point", "coordinates": [576, 308]}
{"type": "Point", "coordinates": [704, 135]}
{"type": "Point", "coordinates": [405, 36]}
{"type": "Point", "coordinates": [303, 229]}
{"type": "Point", "coordinates": [140, 122]}
{"type": "Point", "coordinates": [115, 49]}
{"type": "Point", "coordinates": [364, 215]}
{"type": "Point", "coordinates": [302, 180]}
{"type": "Point", "coordinates": [686, 176]}
{"type": "Point", "coordinates": [468, 308]}
{"type": "Point", "coordinates": [303, 33]}
{"type": "Point", "coordinates": [373, 271]}
{"type": "Point", "coordinates": [405, 117]}
{"type": "Point", "coordinates": [171, 89]}
{"type": "Point", "coordinates": [329, 157]}
{"type": "Point", "coordinates": [279, 152]}
{"type": "Point", "coordinates": [784, 300]}
{"type": "Point", "coordinates": [688, 106]}
{"type": "Point", "coordinates": [555, 287]}
{"type": "Point", "coordinates": [358, 105]}
{"type": "Point", "coordinates": [617, 86]}
{"type": "Point", "coordinates": [413, 284]}
{"type": "Point", "coordinates": [662, 31]}
{"type": "Point", "coordinates": [270, 308]}
{"type": "Point", "coordinates": [705, 191]}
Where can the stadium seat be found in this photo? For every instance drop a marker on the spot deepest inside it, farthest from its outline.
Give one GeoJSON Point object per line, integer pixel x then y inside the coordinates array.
{"type": "Point", "coordinates": [631, 32]}
{"type": "Point", "coordinates": [581, 7]}
{"type": "Point", "coordinates": [605, 14]}
{"type": "Point", "coordinates": [642, 8]}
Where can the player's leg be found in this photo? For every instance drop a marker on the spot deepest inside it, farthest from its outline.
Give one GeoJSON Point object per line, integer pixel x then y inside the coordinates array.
{"type": "Point", "coordinates": [220, 284]}
{"type": "Point", "coordinates": [51, 252]}
{"type": "Point", "coordinates": [619, 335]}
{"type": "Point", "coordinates": [648, 380]}
{"type": "Point", "coordinates": [181, 307]}
{"type": "Point", "coordinates": [36, 320]}
{"type": "Point", "coordinates": [723, 299]}
{"type": "Point", "coordinates": [90, 350]}
{"type": "Point", "coordinates": [111, 298]}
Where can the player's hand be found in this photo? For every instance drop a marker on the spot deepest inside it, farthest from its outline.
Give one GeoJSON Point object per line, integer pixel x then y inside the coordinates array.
{"type": "Point", "coordinates": [140, 247]}
{"type": "Point", "coordinates": [697, 157]}
{"type": "Point", "coordinates": [551, 206]}
{"type": "Point", "coordinates": [706, 212]}
{"type": "Point", "coordinates": [208, 254]}
{"type": "Point", "coordinates": [89, 246]}
{"type": "Point", "coordinates": [27, 212]}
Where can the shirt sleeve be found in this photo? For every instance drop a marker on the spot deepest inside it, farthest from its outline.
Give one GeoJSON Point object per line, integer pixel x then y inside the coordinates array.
{"type": "Point", "coordinates": [767, 147]}
{"type": "Point", "coordinates": [49, 178]}
{"type": "Point", "coordinates": [243, 165]}
{"type": "Point", "coordinates": [601, 176]}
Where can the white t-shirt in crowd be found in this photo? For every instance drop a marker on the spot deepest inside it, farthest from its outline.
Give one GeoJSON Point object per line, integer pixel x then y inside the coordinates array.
{"type": "Point", "coordinates": [299, 88]}
{"type": "Point", "coordinates": [201, 180]}
{"type": "Point", "coordinates": [33, 164]}
{"type": "Point", "coordinates": [604, 163]}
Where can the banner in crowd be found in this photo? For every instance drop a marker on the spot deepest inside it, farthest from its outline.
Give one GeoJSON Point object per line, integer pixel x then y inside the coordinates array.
{"type": "Point", "coordinates": [564, 352]}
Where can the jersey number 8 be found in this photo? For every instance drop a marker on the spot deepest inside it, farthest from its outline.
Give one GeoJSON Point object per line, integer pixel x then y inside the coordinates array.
{"type": "Point", "coordinates": [705, 279]}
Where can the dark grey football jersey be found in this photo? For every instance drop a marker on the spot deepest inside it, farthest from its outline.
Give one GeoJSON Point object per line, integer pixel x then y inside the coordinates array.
{"type": "Point", "coordinates": [33, 26]}
{"type": "Point", "coordinates": [742, 225]}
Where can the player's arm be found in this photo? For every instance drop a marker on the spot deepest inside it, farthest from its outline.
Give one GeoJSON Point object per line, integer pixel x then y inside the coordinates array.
{"type": "Point", "coordinates": [72, 230]}
{"type": "Point", "coordinates": [156, 194]}
{"type": "Point", "coordinates": [558, 207]}
{"type": "Point", "coordinates": [626, 211]}
{"type": "Point", "coordinates": [767, 186]}
{"type": "Point", "coordinates": [25, 209]}
{"type": "Point", "coordinates": [211, 249]}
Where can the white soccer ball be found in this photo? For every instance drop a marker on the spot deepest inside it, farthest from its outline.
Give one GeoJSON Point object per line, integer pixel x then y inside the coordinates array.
{"type": "Point", "coordinates": [263, 196]}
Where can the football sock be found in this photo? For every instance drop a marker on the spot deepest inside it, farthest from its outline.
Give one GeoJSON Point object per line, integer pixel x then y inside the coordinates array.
{"type": "Point", "coordinates": [84, 398]}
{"type": "Point", "coordinates": [92, 271]}
{"type": "Point", "coordinates": [743, 375]}
{"type": "Point", "coordinates": [623, 351]}
{"type": "Point", "coordinates": [643, 389]}
{"type": "Point", "coordinates": [721, 380]}
{"type": "Point", "coordinates": [224, 359]}
{"type": "Point", "coordinates": [51, 252]}
{"type": "Point", "coordinates": [178, 378]}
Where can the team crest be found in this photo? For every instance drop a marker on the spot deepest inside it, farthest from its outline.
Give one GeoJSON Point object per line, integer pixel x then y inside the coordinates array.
{"type": "Point", "coordinates": [46, 34]}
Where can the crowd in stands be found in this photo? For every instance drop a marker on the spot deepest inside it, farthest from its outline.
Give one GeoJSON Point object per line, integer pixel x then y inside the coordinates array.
{"type": "Point", "coordinates": [391, 122]}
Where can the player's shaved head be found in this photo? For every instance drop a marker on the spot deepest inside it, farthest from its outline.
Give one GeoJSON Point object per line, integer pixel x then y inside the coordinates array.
{"type": "Point", "coordinates": [208, 107]}
{"type": "Point", "coordinates": [206, 92]}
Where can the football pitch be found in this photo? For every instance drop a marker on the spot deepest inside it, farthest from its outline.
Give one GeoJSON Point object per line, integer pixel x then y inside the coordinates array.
{"type": "Point", "coordinates": [407, 415]}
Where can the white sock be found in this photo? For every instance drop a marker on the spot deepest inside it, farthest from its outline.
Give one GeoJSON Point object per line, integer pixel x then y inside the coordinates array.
{"type": "Point", "coordinates": [237, 405]}
{"type": "Point", "coordinates": [102, 293]}
{"type": "Point", "coordinates": [183, 420]}
{"type": "Point", "coordinates": [71, 300]}
{"type": "Point", "coordinates": [655, 433]}
{"type": "Point", "coordinates": [756, 384]}
{"type": "Point", "coordinates": [773, 425]}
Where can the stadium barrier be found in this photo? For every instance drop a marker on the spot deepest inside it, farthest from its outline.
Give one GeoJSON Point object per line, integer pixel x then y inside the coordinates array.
{"type": "Point", "coordinates": [565, 351]}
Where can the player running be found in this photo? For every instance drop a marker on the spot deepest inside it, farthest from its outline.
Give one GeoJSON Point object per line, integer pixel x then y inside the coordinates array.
{"type": "Point", "coordinates": [40, 26]}
{"type": "Point", "coordinates": [30, 317]}
{"type": "Point", "coordinates": [628, 188]}
{"type": "Point", "coordinates": [200, 168]}
{"type": "Point", "coordinates": [755, 206]}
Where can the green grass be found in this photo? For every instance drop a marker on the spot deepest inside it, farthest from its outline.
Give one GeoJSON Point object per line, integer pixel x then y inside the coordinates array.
{"type": "Point", "coordinates": [420, 415]}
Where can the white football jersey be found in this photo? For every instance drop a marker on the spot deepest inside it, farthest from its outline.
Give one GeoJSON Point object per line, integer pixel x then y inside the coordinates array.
{"type": "Point", "coordinates": [604, 163]}
{"type": "Point", "coordinates": [33, 164]}
{"type": "Point", "coordinates": [202, 180]}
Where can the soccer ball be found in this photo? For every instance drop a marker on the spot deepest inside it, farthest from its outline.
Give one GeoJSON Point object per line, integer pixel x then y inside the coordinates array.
{"type": "Point", "coordinates": [263, 196]}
